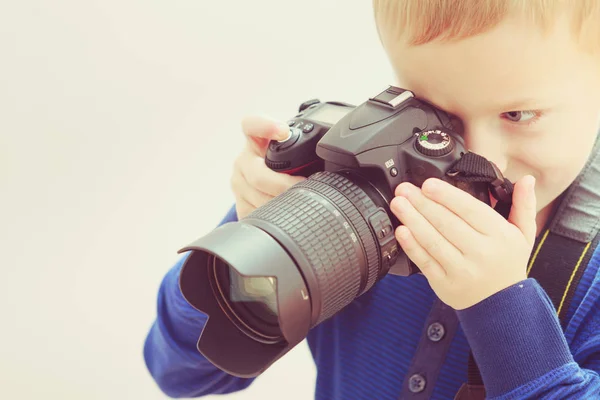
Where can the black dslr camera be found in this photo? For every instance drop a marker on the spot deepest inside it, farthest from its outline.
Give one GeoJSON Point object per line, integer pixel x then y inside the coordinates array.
{"type": "Point", "coordinates": [266, 280]}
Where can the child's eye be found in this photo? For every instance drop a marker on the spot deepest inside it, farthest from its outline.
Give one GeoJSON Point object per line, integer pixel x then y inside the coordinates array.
{"type": "Point", "coordinates": [520, 116]}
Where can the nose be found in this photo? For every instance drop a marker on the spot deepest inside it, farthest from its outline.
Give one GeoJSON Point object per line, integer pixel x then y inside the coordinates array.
{"type": "Point", "coordinates": [487, 143]}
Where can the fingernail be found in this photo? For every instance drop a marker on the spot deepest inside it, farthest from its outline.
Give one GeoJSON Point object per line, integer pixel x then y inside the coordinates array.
{"type": "Point", "coordinates": [402, 232]}
{"type": "Point", "coordinates": [404, 189]}
{"type": "Point", "coordinates": [398, 203]}
{"type": "Point", "coordinates": [431, 184]}
{"type": "Point", "coordinates": [282, 131]}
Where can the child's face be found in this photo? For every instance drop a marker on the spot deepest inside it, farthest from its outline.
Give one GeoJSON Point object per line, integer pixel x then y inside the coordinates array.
{"type": "Point", "coordinates": [529, 103]}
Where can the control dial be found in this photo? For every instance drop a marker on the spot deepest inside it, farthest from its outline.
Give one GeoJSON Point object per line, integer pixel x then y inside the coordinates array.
{"type": "Point", "coordinates": [434, 143]}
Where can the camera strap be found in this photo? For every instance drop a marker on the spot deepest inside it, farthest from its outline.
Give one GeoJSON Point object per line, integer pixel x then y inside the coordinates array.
{"type": "Point", "coordinates": [561, 254]}
{"type": "Point", "coordinates": [474, 168]}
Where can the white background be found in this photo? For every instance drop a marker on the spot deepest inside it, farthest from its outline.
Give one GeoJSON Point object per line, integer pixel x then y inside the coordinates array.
{"type": "Point", "coordinates": [119, 124]}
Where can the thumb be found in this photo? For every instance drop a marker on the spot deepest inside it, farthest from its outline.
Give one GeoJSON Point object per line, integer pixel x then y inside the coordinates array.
{"type": "Point", "coordinates": [524, 210]}
{"type": "Point", "coordinates": [261, 130]}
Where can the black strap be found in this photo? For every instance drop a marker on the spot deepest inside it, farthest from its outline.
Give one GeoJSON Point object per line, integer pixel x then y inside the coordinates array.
{"type": "Point", "coordinates": [475, 168]}
{"type": "Point", "coordinates": [557, 263]}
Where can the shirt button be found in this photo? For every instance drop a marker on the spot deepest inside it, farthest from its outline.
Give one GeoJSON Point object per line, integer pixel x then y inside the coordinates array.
{"type": "Point", "coordinates": [416, 383]}
{"type": "Point", "coordinates": [435, 332]}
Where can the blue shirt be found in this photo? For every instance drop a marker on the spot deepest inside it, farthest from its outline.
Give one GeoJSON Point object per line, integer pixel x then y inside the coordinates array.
{"type": "Point", "coordinates": [365, 351]}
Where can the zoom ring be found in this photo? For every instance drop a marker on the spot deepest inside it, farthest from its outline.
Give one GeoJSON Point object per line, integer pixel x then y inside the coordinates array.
{"type": "Point", "coordinates": [306, 213]}
{"type": "Point", "coordinates": [323, 240]}
{"type": "Point", "coordinates": [366, 208]}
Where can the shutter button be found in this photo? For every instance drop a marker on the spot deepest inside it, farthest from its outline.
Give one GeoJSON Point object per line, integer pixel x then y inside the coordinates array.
{"type": "Point", "coordinates": [435, 332]}
{"type": "Point", "coordinates": [292, 137]}
{"type": "Point", "coordinates": [289, 136]}
{"type": "Point", "coordinates": [416, 383]}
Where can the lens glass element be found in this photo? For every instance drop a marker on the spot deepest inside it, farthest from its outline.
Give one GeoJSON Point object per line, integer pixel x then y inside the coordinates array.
{"type": "Point", "coordinates": [250, 300]}
{"type": "Point", "coordinates": [254, 289]}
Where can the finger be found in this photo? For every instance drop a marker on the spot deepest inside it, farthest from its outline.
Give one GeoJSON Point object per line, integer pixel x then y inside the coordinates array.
{"type": "Point", "coordinates": [523, 212]}
{"type": "Point", "coordinates": [243, 208]}
{"type": "Point", "coordinates": [264, 179]}
{"type": "Point", "coordinates": [474, 212]}
{"type": "Point", "coordinates": [261, 130]}
{"type": "Point", "coordinates": [448, 224]}
{"type": "Point", "coordinates": [428, 266]}
{"type": "Point", "coordinates": [251, 195]}
{"type": "Point", "coordinates": [425, 234]}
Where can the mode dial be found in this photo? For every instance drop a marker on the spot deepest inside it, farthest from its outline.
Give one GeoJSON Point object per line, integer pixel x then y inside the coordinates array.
{"type": "Point", "coordinates": [434, 143]}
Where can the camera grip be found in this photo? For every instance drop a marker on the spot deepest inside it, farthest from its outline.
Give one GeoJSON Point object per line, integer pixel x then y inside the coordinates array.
{"type": "Point", "coordinates": [479, 190]}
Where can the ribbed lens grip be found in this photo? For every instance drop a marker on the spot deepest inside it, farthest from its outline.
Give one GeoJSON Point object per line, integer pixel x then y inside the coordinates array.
{"type": "Point", "coordinates": [339, 255]}
{"type": "Point", "coordinates": [366, 207]}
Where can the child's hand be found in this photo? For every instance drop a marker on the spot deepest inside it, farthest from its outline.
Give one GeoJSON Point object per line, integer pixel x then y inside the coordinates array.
{"type": "Point", "coordinates": [252, 182]}
{"type": "Point", "coordinates": [467, 251]}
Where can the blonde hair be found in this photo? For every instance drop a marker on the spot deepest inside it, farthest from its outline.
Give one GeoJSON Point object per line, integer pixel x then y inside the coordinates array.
{"type": "Point", "coordinates": [422, 21]}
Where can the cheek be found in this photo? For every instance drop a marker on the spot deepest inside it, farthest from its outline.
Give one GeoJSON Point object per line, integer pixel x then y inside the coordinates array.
{"type": "Point", "coordinates": [555, 154]}
{"type": "Point", "coordinates": [558, 162]}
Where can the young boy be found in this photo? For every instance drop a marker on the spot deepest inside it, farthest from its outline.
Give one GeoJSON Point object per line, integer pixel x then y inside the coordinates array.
{"type": "Point", "coordinates": [524, 79]}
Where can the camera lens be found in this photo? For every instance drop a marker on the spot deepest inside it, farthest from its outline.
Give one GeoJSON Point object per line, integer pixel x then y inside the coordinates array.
{"type": "Point", "coordinates": [250, 301]}
{"type": "Point", "coordinates": [286, 267]}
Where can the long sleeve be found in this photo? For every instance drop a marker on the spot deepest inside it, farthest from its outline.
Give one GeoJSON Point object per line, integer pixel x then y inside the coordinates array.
{"type": "Point", "coordinates": [522, 351]}
{"type": "Point", "coordinates": [170, 349]}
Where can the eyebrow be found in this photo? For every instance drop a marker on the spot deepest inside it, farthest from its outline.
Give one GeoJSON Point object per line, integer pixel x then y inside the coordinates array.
{"type": "Point", "coordinates": [519, 104]}
{"type": "Point", "coordinates": [523, 104]}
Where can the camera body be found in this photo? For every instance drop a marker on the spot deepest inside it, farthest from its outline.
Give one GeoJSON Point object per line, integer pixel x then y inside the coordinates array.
{"type": "Point", "coordinates": [297, 154]}
{"type": "Point", "coordinates": [391, 138]}
{"type": "Point", "coordinates": [267, 279]}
